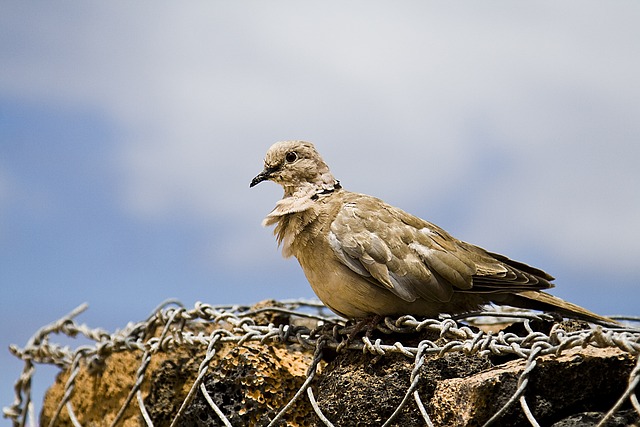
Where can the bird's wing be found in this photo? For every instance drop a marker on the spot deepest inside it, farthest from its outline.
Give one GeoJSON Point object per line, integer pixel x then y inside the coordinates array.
{"type": "Point", "coordinates": [416, 259]}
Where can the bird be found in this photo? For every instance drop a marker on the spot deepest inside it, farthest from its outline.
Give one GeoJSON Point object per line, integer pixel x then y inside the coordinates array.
{"type": "Point", "coordinates": [365, 258]}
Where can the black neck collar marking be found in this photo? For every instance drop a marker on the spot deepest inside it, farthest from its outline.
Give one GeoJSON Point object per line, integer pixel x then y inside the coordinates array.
{"type": "Point", "coordinates": [326, 191]}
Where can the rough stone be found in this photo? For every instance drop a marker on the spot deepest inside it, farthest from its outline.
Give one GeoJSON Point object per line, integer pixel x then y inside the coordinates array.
{"type": "Point", "coordinates": [250, 386]}
{"type": "Point", "coordinates": [97, 397]}
{"type": "Point", "coordinates": [628, 418]}
{"type": "Point", "coordinates": [251, 382]}
{"type": "Point", "coordinates": [578, 380]}
{"type": "Point", "coordinates": [360, 389]}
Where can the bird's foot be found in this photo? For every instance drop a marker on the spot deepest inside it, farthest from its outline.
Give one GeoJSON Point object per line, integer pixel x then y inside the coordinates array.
{"type": "Point", "coordinates": [325, 329]}
{"type": "Point", "coordinates": [368, 324]}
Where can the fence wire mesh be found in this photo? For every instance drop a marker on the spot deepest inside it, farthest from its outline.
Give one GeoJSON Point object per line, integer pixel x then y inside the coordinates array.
{"type": "Point", "coordinates": [307, 326]}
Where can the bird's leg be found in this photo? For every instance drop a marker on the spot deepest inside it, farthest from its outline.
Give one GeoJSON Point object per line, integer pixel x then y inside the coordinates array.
{"type": "Point", "coordinates": [368, 324]}
{"type": "Point", "coordinates": [328, 328]}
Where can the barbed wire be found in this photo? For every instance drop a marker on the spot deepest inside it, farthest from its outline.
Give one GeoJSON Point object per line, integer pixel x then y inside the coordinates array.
{"type": "Point", "coordinates": [315, 331]}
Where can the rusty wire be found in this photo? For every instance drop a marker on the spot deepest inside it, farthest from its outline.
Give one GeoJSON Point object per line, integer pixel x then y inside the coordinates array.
{"type": "Point", "coordinates": [171, 318]}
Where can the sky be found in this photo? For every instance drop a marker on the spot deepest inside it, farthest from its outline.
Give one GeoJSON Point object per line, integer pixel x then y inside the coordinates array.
{"type": "Point", "coordinates": [129, 133]}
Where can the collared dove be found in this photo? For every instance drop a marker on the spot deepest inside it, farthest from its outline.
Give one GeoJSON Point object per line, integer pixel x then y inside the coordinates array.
{"type": "Point", "coordinates": [366, 258]}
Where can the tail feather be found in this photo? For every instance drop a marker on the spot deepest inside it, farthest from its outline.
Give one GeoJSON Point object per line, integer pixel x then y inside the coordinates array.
{"type": "Point", "coordinates": [543, 301]}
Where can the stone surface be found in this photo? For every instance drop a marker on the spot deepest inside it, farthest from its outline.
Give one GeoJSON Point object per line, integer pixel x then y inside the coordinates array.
{"type": "Point", "coordinates": [628, 418]}
{"type": "Point", "coordinates": [252, 382]}
{"type": "Point", "coordinates": [359, 389]}
{"type": "Point", "coordinates": [97, 397]}
{"type": "Point", "coordinates": [578, 380]}
{"type": "Point", "coordinates": [249, 383]}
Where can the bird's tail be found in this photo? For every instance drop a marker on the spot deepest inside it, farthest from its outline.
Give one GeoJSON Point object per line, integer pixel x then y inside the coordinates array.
{"type": "Point", "coordinates": [543, 301]}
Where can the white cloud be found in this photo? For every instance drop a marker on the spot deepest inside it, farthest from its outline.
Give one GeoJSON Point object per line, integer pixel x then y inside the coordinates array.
{"type": "Point", "coordinates": [411, 103]}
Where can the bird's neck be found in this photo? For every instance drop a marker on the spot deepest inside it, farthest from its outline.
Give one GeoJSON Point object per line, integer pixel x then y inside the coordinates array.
{"type": "Point", "coordinates": [298, 214]}
{"type": "Point", "coordinates": [300, 197]}
{"type": "Point", "coordinates": [322, 183]}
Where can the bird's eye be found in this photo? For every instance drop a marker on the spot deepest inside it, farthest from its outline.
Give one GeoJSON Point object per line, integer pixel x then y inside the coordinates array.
{"type": "Point", "coordinates": [291, 157]}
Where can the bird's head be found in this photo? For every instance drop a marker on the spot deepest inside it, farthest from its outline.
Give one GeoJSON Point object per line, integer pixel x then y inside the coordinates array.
{"type": "Point", "coordinates": [296, 165]}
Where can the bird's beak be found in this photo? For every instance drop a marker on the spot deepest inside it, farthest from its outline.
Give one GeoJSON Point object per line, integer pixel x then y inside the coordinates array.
{"type": "Point", "coordinates": [262, 176]}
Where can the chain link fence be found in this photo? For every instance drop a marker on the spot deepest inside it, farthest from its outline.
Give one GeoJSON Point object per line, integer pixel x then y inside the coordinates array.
{"type": "Point", "coordinates": [306, 326]}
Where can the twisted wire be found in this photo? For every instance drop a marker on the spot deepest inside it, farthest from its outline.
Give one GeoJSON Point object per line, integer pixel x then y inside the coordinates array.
{"type": "Point", "coordinates": [178, 327]}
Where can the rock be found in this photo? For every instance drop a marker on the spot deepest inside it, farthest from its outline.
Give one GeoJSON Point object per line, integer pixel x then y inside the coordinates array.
{"type": "Point", "coordinates": [578, 380]}
{"type": "Point", "coordinates": [628, 418]}
{"type": "Point", "coordinates": [251, 382]}
{"type": "Point", "coordinates": [360, 389]}
{"type": "Point", "coordinates": [97, 396]}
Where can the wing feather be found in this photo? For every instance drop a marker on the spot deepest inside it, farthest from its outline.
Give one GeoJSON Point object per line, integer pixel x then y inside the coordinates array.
{"type": "Point", "coordinates": [416, 259]}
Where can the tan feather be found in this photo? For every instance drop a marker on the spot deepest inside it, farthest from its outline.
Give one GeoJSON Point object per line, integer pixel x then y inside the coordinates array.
{"type": "Point", "coordinates": [364, 257]}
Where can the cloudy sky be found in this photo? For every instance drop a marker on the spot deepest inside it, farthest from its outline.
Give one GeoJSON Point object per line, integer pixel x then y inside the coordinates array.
{"type": "Point", "coordinates": [129, 133]}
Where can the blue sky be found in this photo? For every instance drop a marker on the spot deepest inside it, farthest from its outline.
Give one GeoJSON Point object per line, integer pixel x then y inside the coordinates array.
{"type": "Point", "coordinates": [129, 134]}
